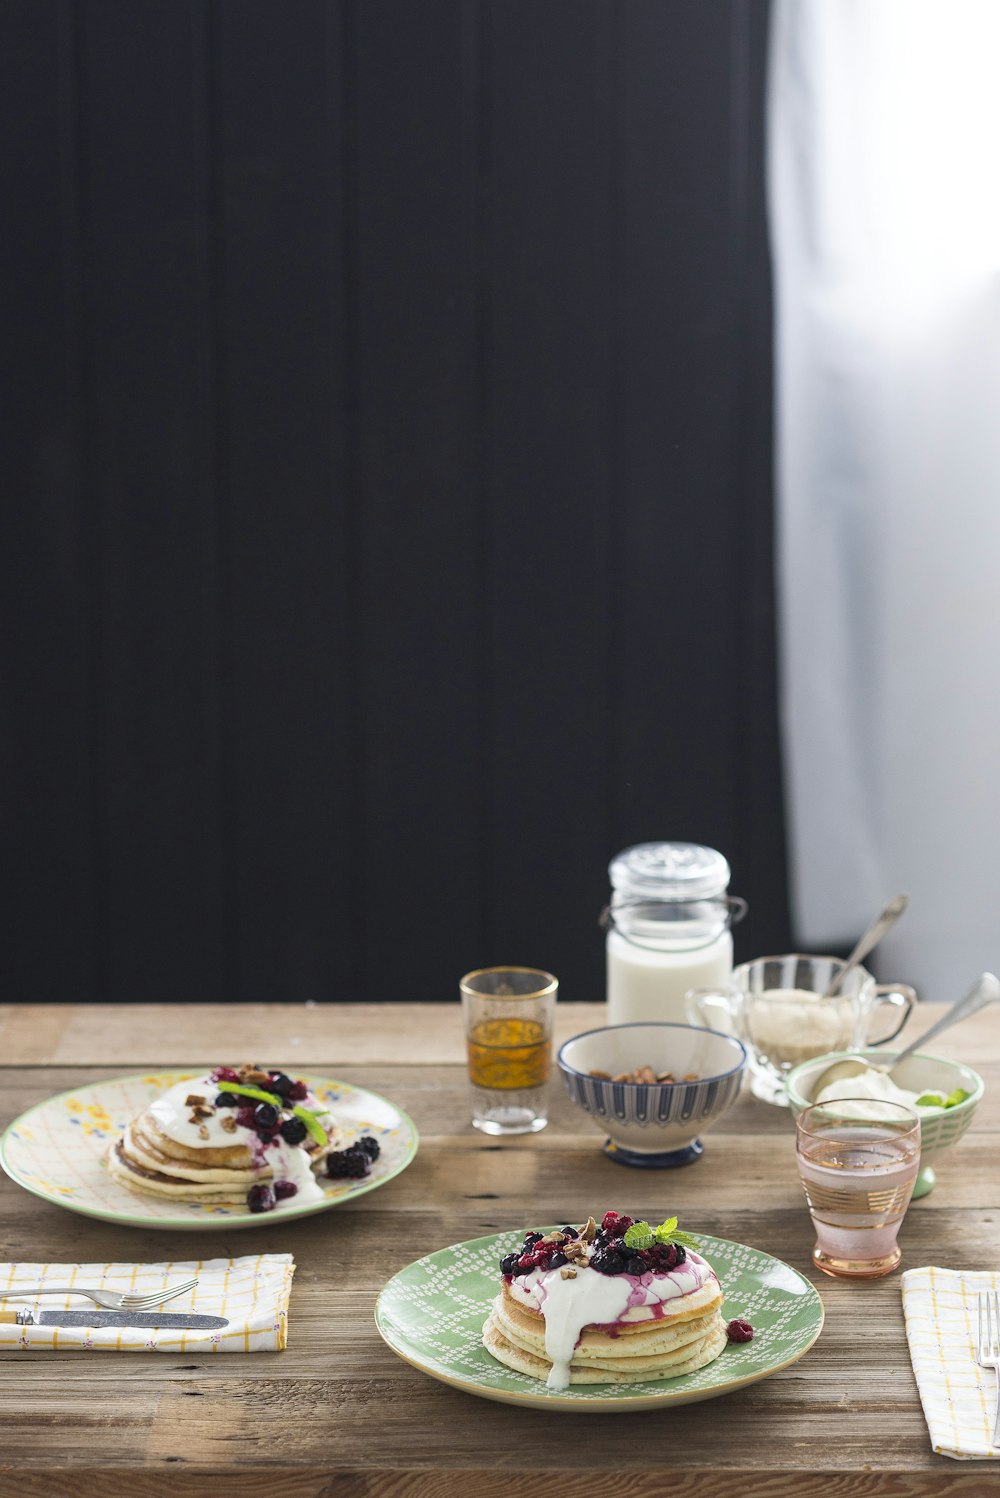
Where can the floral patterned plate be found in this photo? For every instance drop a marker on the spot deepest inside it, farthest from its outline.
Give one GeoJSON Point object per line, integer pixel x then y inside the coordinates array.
{"type": "Point", "coordinates": [432, 1315]}
{"type": "Point", "coordinates": [56, 1151]}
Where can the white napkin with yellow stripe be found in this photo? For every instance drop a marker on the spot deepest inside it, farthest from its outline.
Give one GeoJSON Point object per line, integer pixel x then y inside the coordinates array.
{"type": "Point", "coordinates": [959, 1397]}
{"type": "Point", "coordinates": [251, 1292]}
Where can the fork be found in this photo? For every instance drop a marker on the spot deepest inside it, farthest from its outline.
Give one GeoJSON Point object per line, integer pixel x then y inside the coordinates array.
{"type": "Point", "coordinates": [110, 1302]}
{"type": "Point", "coordinates": [988, 1354]}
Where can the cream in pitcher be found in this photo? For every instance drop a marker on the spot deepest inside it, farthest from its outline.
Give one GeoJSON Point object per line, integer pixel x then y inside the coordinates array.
{"type": "Point", "coordinates": [779, 1007]}
{"type": "Point", "coordinates": [668, 930]}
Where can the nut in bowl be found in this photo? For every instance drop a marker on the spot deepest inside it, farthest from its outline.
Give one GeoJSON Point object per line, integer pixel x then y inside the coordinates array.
{"type": "Point", "coordinates": [919, 1076]}
{"type": "Point", "coordinates": [653, 1124]}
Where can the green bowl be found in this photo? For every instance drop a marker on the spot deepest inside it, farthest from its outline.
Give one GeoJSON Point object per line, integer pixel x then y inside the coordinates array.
{"type": "Point", "coordinates": [938, 1131]}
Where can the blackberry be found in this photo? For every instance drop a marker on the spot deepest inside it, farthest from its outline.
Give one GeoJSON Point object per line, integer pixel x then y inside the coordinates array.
{"type": "Point", "coordinates": [635, 1266]}
{"type": "Point", "coordinates": [261, 1199]}
{"type": "Point", "coordinates": [284, 1189]}
{"type": "Point", "coordinates": [615, 1263]}
{"type": "Point", "coordinates": [293, 1131]}
{"type": "Point", "coordinates": [508, 1264]}
{"type": "Point", "coordinates": [369, 1146]}
{"type": "Point", "coordinates": [349, 1164]}
{"type": "Point", "coordinates": [227, 1100]}
{"type": "Point", "coordinates": [265, 1116]}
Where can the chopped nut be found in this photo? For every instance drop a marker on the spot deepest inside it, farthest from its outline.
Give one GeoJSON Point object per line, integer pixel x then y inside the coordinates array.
{"type": "Point", "coordinates": [691, 1076]}
{"type": "Point", "coordinates": [254, 1077]}
{"type": "Point", "coordinates": [554, 1238]}
{"type": "Point", "coordinates": [589, 1230]}
{"type": "Point", "coordinates": [228, 1122]}
{"type": "Point", "coordinates": [602, 1076]}
{"type": "Point", "coordinates": [202, 1113]}
{"type": "Point", "coordinates": [621, 1076]}
{"type": "Point", "coordinates": [665, 1076]}
{"type": "Point", "coordinates": [645, 1074]}
{"type": "Point", "coordinates": [195, 1100]}
{"type": "Point", "coordinates": [202, 1131]}
{"type": "Point", "coordinates": [567, 1272]}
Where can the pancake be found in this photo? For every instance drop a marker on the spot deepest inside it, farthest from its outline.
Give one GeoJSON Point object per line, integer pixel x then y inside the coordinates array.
{"type": "Point", "coordinates": [185, 1147]}
{"type": "Point", "coordinates": [697, 1354]}
{"type": "Point", "coordinates": [592, 1306]}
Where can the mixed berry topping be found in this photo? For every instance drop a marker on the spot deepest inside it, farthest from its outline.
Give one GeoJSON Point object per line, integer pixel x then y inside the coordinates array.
{"type": "Point", "coordinates": [355, 1162]}
{"type": "Point", "coordinates": [619, 1246]}
{"type": "Point", "coordinates": [739, 1330]}
{"type": "Point", "coordinates": [269, 1104]}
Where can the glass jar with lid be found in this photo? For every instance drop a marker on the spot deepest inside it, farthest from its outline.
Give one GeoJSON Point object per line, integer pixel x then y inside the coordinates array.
{"type": "Point", "coordinates": [668, 928]}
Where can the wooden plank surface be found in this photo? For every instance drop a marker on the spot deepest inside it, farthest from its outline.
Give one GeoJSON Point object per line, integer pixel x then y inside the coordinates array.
{"type": "Point", "coordinates": [338, 1413]}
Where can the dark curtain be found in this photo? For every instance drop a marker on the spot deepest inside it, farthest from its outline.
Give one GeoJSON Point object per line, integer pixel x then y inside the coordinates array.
{"type": "Point", "coordinates": [387, 486]}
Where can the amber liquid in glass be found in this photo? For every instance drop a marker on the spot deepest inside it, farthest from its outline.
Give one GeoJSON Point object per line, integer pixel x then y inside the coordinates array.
{"type": "Point", "coordinates": [508, 1053]}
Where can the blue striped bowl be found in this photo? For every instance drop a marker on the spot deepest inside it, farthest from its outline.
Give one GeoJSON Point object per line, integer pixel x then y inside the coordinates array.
{"type": "Point", "coordinates": [654, 1125]}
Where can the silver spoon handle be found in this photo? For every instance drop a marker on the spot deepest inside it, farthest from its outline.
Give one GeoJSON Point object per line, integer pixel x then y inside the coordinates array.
{"type": "Point", "coordinates": [985, 991]}
{"type": "Point", "coordinates": [880, 925]}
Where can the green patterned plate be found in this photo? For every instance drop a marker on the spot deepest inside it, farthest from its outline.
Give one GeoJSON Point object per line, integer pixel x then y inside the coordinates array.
{"type": "Point", "coordinates": [56, 1151]}
{"type": "Point", "coordinates": [432, 1315]}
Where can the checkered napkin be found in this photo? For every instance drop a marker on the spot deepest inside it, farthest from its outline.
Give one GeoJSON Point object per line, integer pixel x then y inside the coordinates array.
{"type": "Point", "coordinates": [959, 1397]}
{"type": "Point", "coordinates": [251, 1292]}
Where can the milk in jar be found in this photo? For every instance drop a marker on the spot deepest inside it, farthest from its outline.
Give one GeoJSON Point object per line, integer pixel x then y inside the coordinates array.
{"type": "Point", "coordinates": [668, 930]}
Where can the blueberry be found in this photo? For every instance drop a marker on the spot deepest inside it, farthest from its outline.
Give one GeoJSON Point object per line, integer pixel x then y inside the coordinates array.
{"type": "Point", "coordinates": [227, 1100]}
{"type": "Point", "coordinates": [530, 1239]}
{"type": "Point", "coordinates": [557, 1260]}
{"type": "Point", "coordinates": [569, 1232]}
{"type": "Point", "coordinates": [508, 1264]}
{"type": "Point", "coordinates": [293, 1131]}
{"type": "Point", "coordinates": [369, 1146]}
{"type": "Point", "coordinates": [261, 1199]}
{"type": "Point", "coordinates": [265, 1116]}
{"type": "Point", "coordinates": [280, 1083]}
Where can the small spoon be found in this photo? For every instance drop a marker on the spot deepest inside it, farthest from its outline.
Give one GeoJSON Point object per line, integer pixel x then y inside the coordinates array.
{"type": "Point", "coordinates": [880, 925]}
{"type": "Point", "coordinates": [985, 991]}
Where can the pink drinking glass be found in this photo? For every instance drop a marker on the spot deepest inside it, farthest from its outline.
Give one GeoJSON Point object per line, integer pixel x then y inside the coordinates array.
{"type": "Point", "coordinates": [858, 1160]}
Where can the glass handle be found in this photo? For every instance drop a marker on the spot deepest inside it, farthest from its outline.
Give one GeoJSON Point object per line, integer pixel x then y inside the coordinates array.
{"type": "Point", "coordinates": [899, 996]}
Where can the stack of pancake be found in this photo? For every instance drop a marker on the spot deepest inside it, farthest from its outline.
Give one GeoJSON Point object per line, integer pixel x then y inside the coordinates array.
{"type": "Point", "coordinates": [681, 1341]}
{"type": "Point", "coordinates": [167, 1151]}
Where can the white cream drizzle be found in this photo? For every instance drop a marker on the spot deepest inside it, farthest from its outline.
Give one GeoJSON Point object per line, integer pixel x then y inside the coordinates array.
{"type": "Point", "coordinates": [594, 1299]}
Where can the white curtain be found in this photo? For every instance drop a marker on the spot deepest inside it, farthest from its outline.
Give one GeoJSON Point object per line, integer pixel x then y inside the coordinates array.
{"type": "Point", "coordinates": [884, 186]}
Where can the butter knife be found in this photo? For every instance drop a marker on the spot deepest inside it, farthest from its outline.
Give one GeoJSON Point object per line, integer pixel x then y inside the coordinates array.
{"type": "Point", "coordinates": [98, 1319]}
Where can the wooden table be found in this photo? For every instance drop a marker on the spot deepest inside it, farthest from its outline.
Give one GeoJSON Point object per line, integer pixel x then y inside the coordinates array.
{"type": "Point", "coordinates": [338, 1414]}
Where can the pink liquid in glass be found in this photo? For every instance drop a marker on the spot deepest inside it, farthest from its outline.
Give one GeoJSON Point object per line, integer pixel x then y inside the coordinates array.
{"type": "Point", "coordinates": [858, 1183]}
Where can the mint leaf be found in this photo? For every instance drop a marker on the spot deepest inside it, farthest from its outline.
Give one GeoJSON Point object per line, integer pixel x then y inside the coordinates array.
{"type": "Point", "coordinates": [640, 1235]}
{"type": "Point", "coordinates": [666, 1229]}
{"type": "Point", "coordinates": [669, 1232]}
{"type": "Point", "coordinates": [931, 1100]}
{"type": "Point", "coordinates": [958, 1096]}
{"type": "Point", "coordinates": [254, 1092]}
